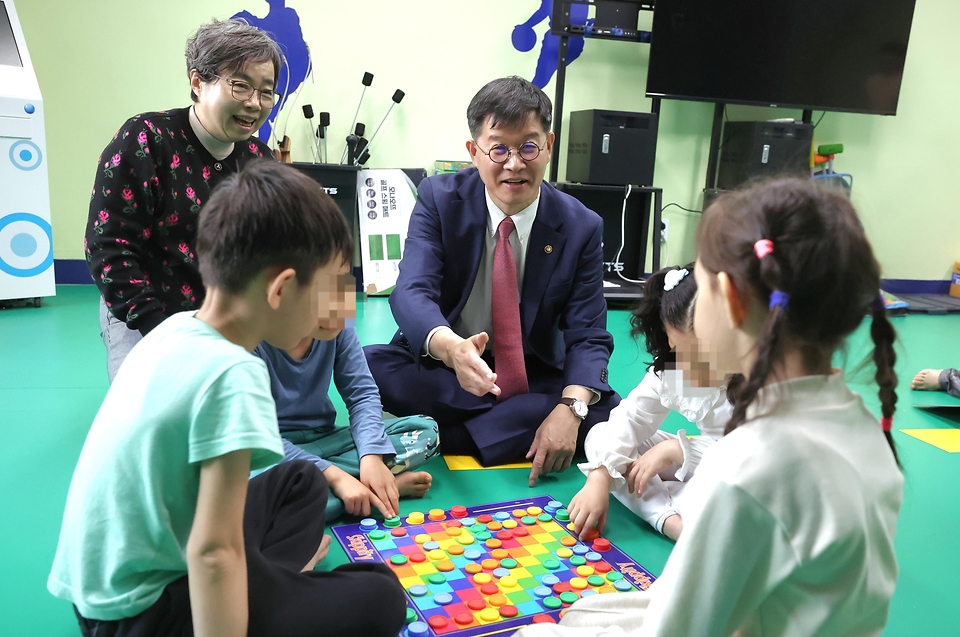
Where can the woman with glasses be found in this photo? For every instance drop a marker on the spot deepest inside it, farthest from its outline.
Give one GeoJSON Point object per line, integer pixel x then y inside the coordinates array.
{"type": "Point", "coordinates": [157, 172]}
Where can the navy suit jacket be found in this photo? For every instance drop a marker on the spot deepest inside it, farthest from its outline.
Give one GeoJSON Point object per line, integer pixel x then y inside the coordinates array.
{"type": "Point", "coordinates": [563, 314]}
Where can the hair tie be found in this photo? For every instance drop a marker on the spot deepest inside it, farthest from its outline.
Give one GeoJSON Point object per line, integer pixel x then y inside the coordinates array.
{"type": "Point", "coordinates": [779, 299]}
{"type": "Point", "coordinates": [672, 278]}
{"type": "Point", "coordinates": [886, 423]}
{"type": "Point", "coordinates": [763, 247]}
{"type": "Point", "coordinates": [879, 304]}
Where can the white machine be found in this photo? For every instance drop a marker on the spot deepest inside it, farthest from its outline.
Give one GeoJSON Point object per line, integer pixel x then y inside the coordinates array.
{"type": "Point", "coordinates": [26, 239]}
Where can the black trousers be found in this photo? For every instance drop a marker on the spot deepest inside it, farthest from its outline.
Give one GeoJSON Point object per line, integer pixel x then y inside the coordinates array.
{"type": "Point", "coordinates": [282, 525]}
{"type": "Point", "coordinates": [496, 432]}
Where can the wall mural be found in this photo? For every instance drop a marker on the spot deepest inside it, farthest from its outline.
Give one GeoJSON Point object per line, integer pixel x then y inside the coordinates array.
{"type": "Point", "coordinates": [525, 38]}
{"type": "Point", "coordinates": [283, 24]}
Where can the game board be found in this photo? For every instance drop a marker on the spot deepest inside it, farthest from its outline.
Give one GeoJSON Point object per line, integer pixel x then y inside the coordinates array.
{"type": "Point", "coordinates": [484, 570]}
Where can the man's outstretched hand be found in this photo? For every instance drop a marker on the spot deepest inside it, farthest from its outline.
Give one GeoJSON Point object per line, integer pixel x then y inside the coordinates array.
{"type": "Point", "coordinates": [463, 357]}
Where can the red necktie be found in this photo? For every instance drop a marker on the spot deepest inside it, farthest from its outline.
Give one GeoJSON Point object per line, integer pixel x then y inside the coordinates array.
{"type": "Point", "coordinates": [505, 311]}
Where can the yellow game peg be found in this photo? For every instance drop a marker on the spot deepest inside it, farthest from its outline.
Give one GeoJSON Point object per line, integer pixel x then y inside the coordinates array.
{"type": "Point", "coordinates": [510, 582]}
{"type": "Point", "coordinates": [585, 571]}
{"type": "Point", "coordinates": [578, 583]}
{"type": "Point", "coordinates": [534, 511]}
{"type": "Point", "coordinates": [482, 578]}
{"type": "Point", "coordinates": [489, 614]}
{"type": "Point", "coordinates": [454, 531]}
{"type": "Point", "coordinates": [509, 524]}
{"type": "Point", "coordinates": [437, 554]}
{"type": "Point", "coordinates": [415, 517]}
{"type": "Point", "coordinates": [571, 527]}
{"type": "Point", "coordinates": [465, 538]}
{"type": "Point", "coordinates": [564, 553]}
{"type": "Point", "coordinates": [423, 538]}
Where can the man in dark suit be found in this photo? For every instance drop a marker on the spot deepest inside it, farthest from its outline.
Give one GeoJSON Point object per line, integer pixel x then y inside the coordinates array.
{"type": "Point", "coordinates": [494, 256]}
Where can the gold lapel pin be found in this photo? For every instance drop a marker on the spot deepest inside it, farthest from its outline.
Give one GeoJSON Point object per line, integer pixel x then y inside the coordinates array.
{"type": "Point", "coordinates": [548, 249]}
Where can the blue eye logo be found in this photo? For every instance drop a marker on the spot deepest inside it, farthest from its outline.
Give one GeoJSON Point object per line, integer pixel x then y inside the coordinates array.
{"type": "Point", "coordinates": [26, 245]}
{"type": "Point", "coordinates": [25, 155]}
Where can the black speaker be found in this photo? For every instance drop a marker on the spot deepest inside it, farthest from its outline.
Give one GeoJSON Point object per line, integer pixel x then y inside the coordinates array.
{"type": "Point", "coordinates": [340, 182]}
{"type": "Point", "coordinates": [614, 148]}
{"type": "Point", "coordinates": [757, 149]}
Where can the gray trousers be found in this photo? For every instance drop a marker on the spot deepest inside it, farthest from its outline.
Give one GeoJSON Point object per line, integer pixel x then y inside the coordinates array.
{"type": "Point", "coordinates": [118, 339]}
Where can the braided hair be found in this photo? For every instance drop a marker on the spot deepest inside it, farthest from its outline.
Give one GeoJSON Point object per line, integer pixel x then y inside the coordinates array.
{"type": "Point", "coordinates": [820, 260]}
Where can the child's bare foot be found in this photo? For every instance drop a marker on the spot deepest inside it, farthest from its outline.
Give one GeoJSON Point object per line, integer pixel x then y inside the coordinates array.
{"type": "Point", "coordinates": [321, 553]}
{"type": "Point", "coordinates": [927, 380]}
{"type": "Point", "coordinates": [413, 485]}
{"type": "Point", "coordinates": [672, 527]}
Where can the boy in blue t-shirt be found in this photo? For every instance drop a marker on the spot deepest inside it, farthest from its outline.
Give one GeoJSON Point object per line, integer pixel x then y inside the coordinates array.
{"type": "Point", "coordinates": [163, 534]}
{"type": "Point", "coordinates": [368, 464]}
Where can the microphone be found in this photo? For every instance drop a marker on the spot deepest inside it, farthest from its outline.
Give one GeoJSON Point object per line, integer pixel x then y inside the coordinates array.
{"type": "Point", "coordinates": [364, 157]}
{"type": "Point", "coordinates": [366, 81]}
{"type": "Point", "coordinates": [360, 129]}
{"type": "Point", "coordinates": [352, 141]}
{"type": "Point", "coordinates": [322, 132]}
{"type": "Point", "coordinates": [308, 113]}
{"type": "Point", "coordinates": [398, 96]}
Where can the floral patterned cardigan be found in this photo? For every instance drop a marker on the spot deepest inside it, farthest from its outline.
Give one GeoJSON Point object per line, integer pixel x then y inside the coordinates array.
{"type": "Point", "coordinates": [140, 241]}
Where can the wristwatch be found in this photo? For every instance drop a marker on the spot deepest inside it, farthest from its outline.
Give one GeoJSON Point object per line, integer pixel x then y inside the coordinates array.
{"type": "Point", "coordinates": [577, 406]}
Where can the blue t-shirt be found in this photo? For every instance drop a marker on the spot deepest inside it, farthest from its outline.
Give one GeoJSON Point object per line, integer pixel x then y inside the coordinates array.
{"type": "Point", "coordinates": [301, 390]}
{"type": "Point", "coordinates": [183, 395]}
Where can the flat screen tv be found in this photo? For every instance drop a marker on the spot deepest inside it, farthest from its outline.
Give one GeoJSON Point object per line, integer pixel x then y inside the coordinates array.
{"type": "Point", "coordinates": [835, 55]}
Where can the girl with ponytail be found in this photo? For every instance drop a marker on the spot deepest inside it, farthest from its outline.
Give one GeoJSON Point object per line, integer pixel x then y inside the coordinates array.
{"type": "Point", "coordinates": [790, 522]}
{"type": "Point", "coordinates": [628, 456]}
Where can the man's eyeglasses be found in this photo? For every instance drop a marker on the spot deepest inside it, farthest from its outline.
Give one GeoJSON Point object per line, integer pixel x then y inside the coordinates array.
{"type": "Point", "coordinates": [500, 153]}
{"type": "Point", "coordinates": [242, 92]}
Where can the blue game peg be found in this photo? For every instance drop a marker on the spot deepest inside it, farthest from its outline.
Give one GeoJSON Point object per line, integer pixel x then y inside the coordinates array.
{"type": "Point", "coordinates": [443, 598]}
{"type": "Point", "coordinates": [587, 592]}
{"type": "Point", "coordinates": [593, 556]}
{"type": "Point", "coordinates": [501, 572]}
{"type": "Point", "coordinates": [622, 585]}
{"type": "Point", "coordinates": [368, 524]}
{"type": "Point", "coordinates": [550, 580]}
{"type": "Point", "coordinates": [472, 554]}
{"type": "Point", "coordinates": [501, 515]}
{"type": "Point", "coordinates": [543, 591]}
{"type": "Point", "coordinates": [580, 549]}
{"type": "Point", "coordinates": [418, 629]}
{"type": "Point", "coordinates": [553, 506]}
{"type": "Point", "coordinates": [431, 546]}
{"type": "Point", "coordinates": [418, 590]}
{"type": "Point", "coordinates": [468, 522]}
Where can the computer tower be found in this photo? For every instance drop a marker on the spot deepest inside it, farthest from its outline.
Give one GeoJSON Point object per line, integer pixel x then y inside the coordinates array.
{"type": "Point", "coordinates": [612, 148]}
{"type": "Point", "coordinates": [755, 149]}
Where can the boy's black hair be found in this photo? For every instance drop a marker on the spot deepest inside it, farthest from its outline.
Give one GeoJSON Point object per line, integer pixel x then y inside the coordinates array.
{"type": "Point", "coordinates": [508, 101]}
{"type": "Point", "coordinates": [821, 258]}
{"type": "Point", "coordinates": [269, 215]}
{"type": "Point", "coordinates": [659, 308]}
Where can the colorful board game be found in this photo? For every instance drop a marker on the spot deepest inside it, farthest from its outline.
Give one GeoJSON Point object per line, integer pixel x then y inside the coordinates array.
{"type": "Point", "coordinates": [483, 570]}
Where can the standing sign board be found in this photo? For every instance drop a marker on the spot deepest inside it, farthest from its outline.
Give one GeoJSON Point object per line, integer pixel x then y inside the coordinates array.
{"type": "Point", "coordinates": [385, 199]}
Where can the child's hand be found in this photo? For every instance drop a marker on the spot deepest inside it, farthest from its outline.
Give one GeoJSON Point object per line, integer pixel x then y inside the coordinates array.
{"type": "Point", "coordinates": [357, 499]}
{"type": "Point", "coordinates": [590, 506]}
{"type": "Point", "coordinates": [376, 476]}
{"type": "Point", "coordinates": [655, 460]}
